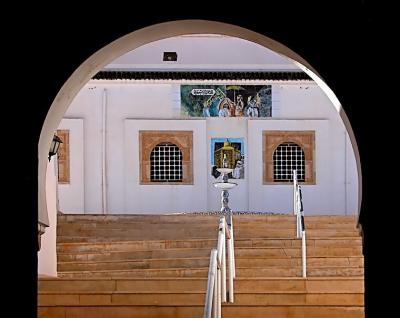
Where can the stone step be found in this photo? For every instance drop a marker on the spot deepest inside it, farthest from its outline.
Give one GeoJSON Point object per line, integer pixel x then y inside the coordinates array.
{"type": "Point", "coordinates": [254, 252]}
{"type": "Point", "coordinates": [202, 231]}
{"type": "Point", "coordinates": [228, 310]}
{"type": "Point", "coordinates": [115, 235]}
{"type": "Point", "coordinates": [88, 247]}
{"type": "Point", "coordinates": [203, 272]}
{"type": "Point", "coordinates": [200, 224]}
{"type": "Point", "coordinates": [157, 266]}
{"type": "Point", "coordinates": [197, 299]}
{"type": "Point", "coordinates": [188, 218]}
{"type": "Point", "coordinates": [278, 222]}
{"type": "Point", "coordinates": [66, 228]}
{"type": "Point", "coordinates": [244, 285]}
{"type": "Point", "coordinates": [204, 262]}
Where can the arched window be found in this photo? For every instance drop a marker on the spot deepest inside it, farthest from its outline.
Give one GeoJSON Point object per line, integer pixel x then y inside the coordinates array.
{"type": "Point", "coordinates": [286, 150]}
{"type": "Point", "coordinates": [166, 157]}
{"type": "Point", "coordinates": [166, 163]}
{"type": "Point", "coordinates": [287, 157]}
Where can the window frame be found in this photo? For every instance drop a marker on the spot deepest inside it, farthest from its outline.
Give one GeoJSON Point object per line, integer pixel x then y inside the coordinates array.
{"type": "Point", "coordinates": [277, 157]}
{"type": "Point", "coordinates": [63, 157]}
{"type": "Point", "coordinates": [271, 139]}
{"type": "Point", "coordinates": [149, 139]}
{"type": "Point", "coordinates": [153, 163]}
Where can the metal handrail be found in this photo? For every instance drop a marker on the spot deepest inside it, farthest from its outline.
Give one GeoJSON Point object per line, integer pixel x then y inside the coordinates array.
{"type": "Point", "coordinates": [300, 224]}
{"type": "Point", "coordinates": [217, 273]}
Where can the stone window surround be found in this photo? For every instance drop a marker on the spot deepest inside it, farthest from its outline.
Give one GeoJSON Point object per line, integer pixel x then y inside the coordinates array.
{"type": "Point", "coordinates": [148, 139]}
{"type": "Point", "coordinates": [63, 157]}
{"type": "Point", "coordinates": [271, 139]}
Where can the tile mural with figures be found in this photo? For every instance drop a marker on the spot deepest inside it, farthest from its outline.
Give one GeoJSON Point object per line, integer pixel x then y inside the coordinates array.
{"type": "Point", "coordinates": [226, 101]}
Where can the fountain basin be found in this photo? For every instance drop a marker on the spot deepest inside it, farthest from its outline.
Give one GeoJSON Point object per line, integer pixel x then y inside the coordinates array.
{"type": "Point", "coordinates": [225, 170]}
{"type": "Point", "coordinates": [225, 185]}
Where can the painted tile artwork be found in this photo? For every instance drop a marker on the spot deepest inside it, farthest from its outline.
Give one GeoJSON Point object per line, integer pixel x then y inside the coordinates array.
{"type": "Point", "coordinates": [226, 101]}
{"type": "Point", "coordinates": [234, 150]}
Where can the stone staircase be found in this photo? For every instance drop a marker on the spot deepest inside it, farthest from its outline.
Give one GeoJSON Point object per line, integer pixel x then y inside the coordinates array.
{"type": "Point", "coordinates": [157, 266]}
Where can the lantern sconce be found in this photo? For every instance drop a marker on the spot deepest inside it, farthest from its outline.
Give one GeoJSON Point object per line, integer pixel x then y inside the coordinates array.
{"type": "Point", "coordinates": [55, 144]}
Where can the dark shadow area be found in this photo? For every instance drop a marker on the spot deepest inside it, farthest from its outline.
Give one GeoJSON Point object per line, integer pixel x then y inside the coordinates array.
{"type": "Point", "coordinates": [343, 42]}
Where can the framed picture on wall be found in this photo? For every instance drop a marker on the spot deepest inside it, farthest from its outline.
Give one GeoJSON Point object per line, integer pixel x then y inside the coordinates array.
{"type": "Point", "coordinates": [233, 150]}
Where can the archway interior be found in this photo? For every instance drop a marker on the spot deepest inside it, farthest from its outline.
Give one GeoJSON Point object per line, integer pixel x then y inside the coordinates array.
{"type": "Point", "coordinates": [144, 98]}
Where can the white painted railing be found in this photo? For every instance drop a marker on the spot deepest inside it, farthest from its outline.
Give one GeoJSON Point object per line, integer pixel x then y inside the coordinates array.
{"type": "Point", "coordinates": [217, 272]}
{"type": "Point", "coordinates": [300, 225]}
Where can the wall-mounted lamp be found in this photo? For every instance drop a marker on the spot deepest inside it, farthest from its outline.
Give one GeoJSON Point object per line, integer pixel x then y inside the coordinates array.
{"type": "Point", "coordinates": [55, 144]}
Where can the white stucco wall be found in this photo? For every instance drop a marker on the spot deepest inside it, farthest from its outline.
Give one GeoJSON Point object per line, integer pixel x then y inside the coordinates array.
{"type": "Point", "coordinates": [351, 180]}
{"type": "Point", "coordinates": [308, 101]}
{"type": "Point", "coordinates": [229, 128]}
{"type": "Point", "coordinates": [87, 107]}
{"type": "Point", "coordinates": [133, 106]}
{"type": "Point", "coordinates": [325, 197]}
{"type": "Point", "coordinates": [163, 198]}
{"type": "Point", "coordinates": [47, 256]}
{"type": "Point", "coordinates": [203, 52]}
{"type": "Point", "coordinates": [72, 193]}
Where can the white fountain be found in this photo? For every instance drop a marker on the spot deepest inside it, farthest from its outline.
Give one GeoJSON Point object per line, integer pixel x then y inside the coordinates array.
{"type": "Point", "coordinates": [225, 185]}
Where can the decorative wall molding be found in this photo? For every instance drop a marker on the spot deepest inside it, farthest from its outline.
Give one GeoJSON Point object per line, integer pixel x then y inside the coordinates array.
{"type": "Point", "coordinates": [63, 157]}
{"type": "Point", "coordinates": [148, 139]}
{"type": "Point", "coordinates": [273, 138]}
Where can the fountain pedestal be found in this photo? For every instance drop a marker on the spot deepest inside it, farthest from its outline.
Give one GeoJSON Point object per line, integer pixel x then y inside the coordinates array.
{"type": "Point", "coordinates": [225, 185]}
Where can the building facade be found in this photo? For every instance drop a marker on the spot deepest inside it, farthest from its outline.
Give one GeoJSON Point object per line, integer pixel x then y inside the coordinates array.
{"type": "Point", "coordinates": [112, 123]}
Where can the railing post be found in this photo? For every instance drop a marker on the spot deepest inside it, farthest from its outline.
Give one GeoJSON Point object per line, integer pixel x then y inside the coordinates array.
{"type": "Point", "coordinates": [215, 298]}
{"type": "Point", "coordinates": [299, 230]}
{"type": "Point", "coordinates": [294, 192]}
{"type": "Point", "coordinates": [296, 207]}
{"type": "Point", "coordinates": [233, 249]}
{"type": "Point", "coordinates": [219, 293]}
{"type": "Point", "coordinates": [300, 214]}
{"type": "Point", "coordinates": [300, 226]}
{"type": "Point", "coordinates": [210, 284]}
{"type": "Point", "coordinates": [231, 267]}
{"type": "Point", "coordinates": [223, 269]}
{"type": "Point", "coordinates": [304, 253]}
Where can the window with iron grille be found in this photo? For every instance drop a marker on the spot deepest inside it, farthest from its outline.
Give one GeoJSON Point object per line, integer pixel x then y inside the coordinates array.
{"type": "Point", "coordinates": [287, 157]}
{"type": "Point", "coordinates": [166, 163]}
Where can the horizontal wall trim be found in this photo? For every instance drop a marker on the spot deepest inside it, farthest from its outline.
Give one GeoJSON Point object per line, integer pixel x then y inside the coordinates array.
{"type": "Point", "coordinates": [134, 75]}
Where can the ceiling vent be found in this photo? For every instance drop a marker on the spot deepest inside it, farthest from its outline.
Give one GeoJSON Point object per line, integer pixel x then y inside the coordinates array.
{"type": "Point", "coordinates": [170, 56]}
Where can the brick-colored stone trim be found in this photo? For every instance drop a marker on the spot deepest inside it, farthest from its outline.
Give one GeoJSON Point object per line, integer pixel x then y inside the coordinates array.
{"type": "Point", "coordinates": [63, 157]}
{"type": "Point", "coordinates": [273, 138]}
{"type": "Point", "coordinates": [148, 139]}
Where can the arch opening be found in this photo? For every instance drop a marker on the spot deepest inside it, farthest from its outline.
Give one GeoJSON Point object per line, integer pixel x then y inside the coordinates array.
{"type": "Point", "coordinates": [151, 34]}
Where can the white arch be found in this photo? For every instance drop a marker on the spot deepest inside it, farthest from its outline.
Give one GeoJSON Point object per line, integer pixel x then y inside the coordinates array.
{"type": "Point", "coordinates": [144, 36]}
